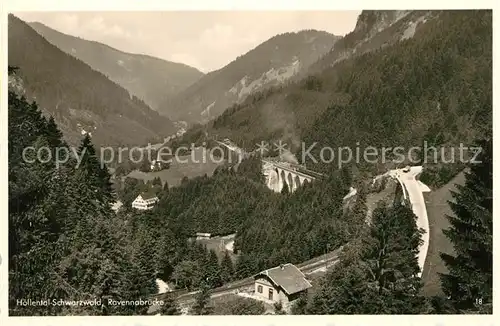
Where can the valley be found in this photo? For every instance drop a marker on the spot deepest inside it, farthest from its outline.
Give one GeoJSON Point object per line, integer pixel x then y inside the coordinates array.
{"type": "Point", "coordinates": [90, 102]}
{"type": "Point", "coordinates": [150, 79]}
{"type": "Point", "coordinates": [187, 166]}
{"type": "Point", "coordinates": [313, 174]}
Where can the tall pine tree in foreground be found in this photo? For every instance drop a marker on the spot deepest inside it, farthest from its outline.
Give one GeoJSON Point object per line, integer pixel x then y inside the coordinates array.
{"type": "Point", "coordinates": [37, 221]}
{"type": "Point", "coordinates": [202, 301]}
{"type": "Point", "coordinates": [469, 282]}
{"type": "Point", "coordinates": [378, 277]}
{"type": "Point", "coordinates": [96, 174]}
{"type": "Point", "coordinates": [65, 242]}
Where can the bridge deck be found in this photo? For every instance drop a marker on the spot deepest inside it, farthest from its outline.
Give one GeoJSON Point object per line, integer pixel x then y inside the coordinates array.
{"type": "Point", "coordinates": [295, 169]}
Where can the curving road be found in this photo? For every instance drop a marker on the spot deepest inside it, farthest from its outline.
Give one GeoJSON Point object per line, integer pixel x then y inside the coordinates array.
{"type": "Point", "coordinates": [413, 190]}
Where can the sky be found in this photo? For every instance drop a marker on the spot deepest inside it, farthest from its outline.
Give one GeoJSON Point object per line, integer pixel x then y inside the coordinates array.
{"type": "Point", "coordinates": [202, 39]}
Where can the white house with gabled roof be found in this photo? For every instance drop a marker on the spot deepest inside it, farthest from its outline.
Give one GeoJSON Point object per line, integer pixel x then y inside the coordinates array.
{"type": "Point", "coordinates": [146, 200]}
{"type": "Point", "coordinates": [284, 284]}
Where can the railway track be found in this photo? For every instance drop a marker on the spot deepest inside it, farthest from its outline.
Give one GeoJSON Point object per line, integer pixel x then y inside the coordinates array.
{"type": "Point", "coordinates": [184, 297]}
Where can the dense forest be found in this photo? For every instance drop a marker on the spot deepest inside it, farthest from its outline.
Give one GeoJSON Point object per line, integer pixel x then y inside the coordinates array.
{"type": "Point", "coordinates": [65, 242]}
{"type": "Point", "coordinates": [66, 212]}
{"type": "Point", "coordinates": [377, 271]}
{"type": "Point", "coordinates": [377, 274]}
{"type": "Point", "coordinates": [378, 264]}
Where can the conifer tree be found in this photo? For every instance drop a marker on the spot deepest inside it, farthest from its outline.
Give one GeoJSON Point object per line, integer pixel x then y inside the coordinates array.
{"type": "Point", "coordinates": [226, 268]}
{"type": "Point", "coordinates": [95, 175]}
{"type": "Point", "coordinates": [169, 307]}
{"type": "Point", "coordinates": [470, 278]}
{"type": "Point", "coordinates": [187, 274]}
{"type": "Point", "coordinates": [392, 249]}
{"type": "Point", "coordinates": [131, 189]}
{"type": "Point", "coordinates": [381, 277]}
{"type": "Point", "coordinates": [201, 305]}
{"type": "Point", "coordinates": [165, 187]}
{"type": "Point", "coordinates": [213, 272]}
{"type": "Point", "coordinates": [54, 135]}
{"type": "Point", "coordinates": [166, 254]}
{"type": "Point", "coordinates": [285, 190]}
{"type": "Point", "coordinates": [346, 177]}
{"type": "Point", "coordinates": [139, 277]}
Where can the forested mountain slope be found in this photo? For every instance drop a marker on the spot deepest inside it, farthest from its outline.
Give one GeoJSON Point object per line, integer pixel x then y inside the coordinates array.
{"type": "Point", "coordinates": [81, 100]}
{"type": "Point", "coordinates": [374, 29]}
{"type": "Point", "coordinates": [271, 228]}
{"type": "Point", "coordinates": [151, 79]}
{"type": "Point", "coordinates": [435, 86]}
{"type": "Point", "coordinates": [65, 242]}
{"type": "Point", "coordinates": [271, 63]}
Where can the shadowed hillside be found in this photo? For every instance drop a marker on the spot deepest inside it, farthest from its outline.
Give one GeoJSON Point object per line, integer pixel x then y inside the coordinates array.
{"type": "Point", "coordinates": [434, 87]}
{"type": "Point", "coordinates": [151, 79]}
{"type": "Point", "coordinates": [81, 100]}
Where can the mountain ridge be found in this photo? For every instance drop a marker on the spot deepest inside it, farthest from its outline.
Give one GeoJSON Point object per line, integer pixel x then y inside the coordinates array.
{"type": "Point", "coordinates": [374, 29]}
{"type": "Point", "coordinates": [38, 25]}
{"type": "Point", "coordinates": [81, 100]}
{"type": "Point", "coordinates": [381, 88]}
{"type": "Point", "coordinates": [271, 63]}
{"type": "Point", "coordinates": [149, 78]}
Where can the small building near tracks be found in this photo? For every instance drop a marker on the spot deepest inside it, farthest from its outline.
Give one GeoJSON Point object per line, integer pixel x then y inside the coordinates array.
{"type": "Point", "coordinates": [283, 283]}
